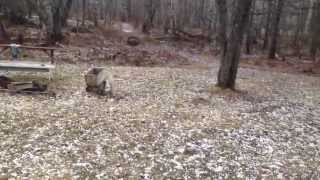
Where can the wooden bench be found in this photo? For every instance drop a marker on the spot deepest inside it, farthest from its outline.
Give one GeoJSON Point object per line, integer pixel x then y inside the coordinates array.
{"type": "Point", "coordinates": [29, 66]}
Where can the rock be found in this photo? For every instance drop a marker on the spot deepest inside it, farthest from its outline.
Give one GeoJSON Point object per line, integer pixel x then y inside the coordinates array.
{"type": "Point", "coordinates": [133, 41]}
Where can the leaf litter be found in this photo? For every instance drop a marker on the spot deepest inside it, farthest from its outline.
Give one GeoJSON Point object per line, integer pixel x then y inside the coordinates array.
{"type": "Point", "coordinates": [164, 123]}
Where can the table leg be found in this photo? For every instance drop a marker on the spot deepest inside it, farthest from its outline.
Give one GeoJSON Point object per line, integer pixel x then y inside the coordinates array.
{"type": "Point", "coordinates": [52, 56]}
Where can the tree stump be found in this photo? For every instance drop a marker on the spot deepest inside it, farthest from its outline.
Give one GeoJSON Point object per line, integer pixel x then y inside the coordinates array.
{"type": "Point", "coordinates": [98, 81]}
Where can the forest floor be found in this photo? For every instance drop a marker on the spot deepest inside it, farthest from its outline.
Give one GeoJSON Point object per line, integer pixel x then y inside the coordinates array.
{"type": "Point", "coordinates": [164, 121]}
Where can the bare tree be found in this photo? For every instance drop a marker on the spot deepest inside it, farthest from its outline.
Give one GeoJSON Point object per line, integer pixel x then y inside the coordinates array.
{"type": "Point", "coordinates": [230, 59]}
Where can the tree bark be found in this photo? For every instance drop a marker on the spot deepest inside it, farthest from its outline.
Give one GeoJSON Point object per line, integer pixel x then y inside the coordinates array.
{"type": "Point", "coordinates": [230, 61]}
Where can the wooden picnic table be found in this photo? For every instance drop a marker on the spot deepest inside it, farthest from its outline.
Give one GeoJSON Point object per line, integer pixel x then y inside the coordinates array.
{"type": "Point", "coordinates": [48, 50]}
{"type": "Point", "coordinates": [21, 65]}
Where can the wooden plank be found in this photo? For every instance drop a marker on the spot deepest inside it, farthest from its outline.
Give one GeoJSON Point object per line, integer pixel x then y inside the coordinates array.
{"type": "Point", "coordinates": [25, 66]}
{"type": "Point", "coordinates": [32, 47]}
{"type": "Point", "coordinates": [20, 86]}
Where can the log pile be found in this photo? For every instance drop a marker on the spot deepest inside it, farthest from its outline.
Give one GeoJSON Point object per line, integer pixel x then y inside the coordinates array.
{"type": "Point", "coordinates": [98, 82]}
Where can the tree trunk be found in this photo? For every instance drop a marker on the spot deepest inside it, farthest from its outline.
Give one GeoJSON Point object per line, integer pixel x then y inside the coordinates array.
{"type": "Point", "coordinates": [57, 12]}
{"type": "Point", "coordinates": [309, 17]}
{"type": "Point", "coordinates": [51, 12]}
{"type": "Point", "coordinates": [249, 38]}
{"type": "Point", "coordinates": [275, 29]}
{"type": "Point", "coordinates": [66, 12]}
{"type": "Point", "coordinates": [298, 30]}
{"type": "Point", "coordinates": [267, 27]}
{"type": "Point", "coordinates": [315, 30]}
{"type": "Point", "coordinates": [230, 61]}
{"type": "Point", "coordinates": [95, 16]}
{"type": "Point", "coordinates": [223, 23]}
{"type": "Point", "coordinates": [84, 12]}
